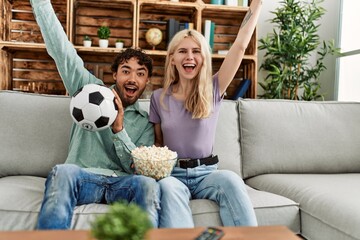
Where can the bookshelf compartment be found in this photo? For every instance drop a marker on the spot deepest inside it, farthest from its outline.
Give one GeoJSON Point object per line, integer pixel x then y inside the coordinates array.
{"type": "Point", "coordinates": [99, 66]}
{"type": "Point", "coordinates": [155, 15]}
{"type": "Point", "coordinates": [22, 26]}
{"type": "Point", "coordinates": [118, 16]}
{"type": "Point", "coordinates": [172, 2]}
{"type": "Point", "coordinates": [35, 72]}
{"type": "Point", "coordinates": [246, 71]}
{"type": "Point", "coordinates": [25, 65]}
{"type": "Point", "coordinates": [240, 3]}
{"type": "Point", "coordinates": [227, 25]}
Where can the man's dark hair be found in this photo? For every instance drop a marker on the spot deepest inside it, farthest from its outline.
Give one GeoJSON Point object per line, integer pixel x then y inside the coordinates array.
{"type": "Point", "coordinates": [126, 55]}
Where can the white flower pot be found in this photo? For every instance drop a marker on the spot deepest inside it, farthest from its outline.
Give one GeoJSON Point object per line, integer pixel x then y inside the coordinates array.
{"type": "Point", "coordinates": [231, 2]}
{"type": "Point", "coordinates": [87, 43]}
{"type": "Point", "coordinates": [103, 43]}
{"type": "Point", "coordinates": [119, 45]}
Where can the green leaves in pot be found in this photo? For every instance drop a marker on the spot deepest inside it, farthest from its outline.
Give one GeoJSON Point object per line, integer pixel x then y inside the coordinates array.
{"type": "Point", "coordinates": [103, 32]}
{"type": "Point", "coordinates": [122, 221]}
{"type": "Point", "coordinates": [290, 50]}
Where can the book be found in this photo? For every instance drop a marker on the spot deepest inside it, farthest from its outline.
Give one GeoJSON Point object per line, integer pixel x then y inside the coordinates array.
{"type": "Point", "coordinates": [242, 89]}
{"type": "Point", "coordinates": [207, 30]}
{"type": "Point", "coordinates": [189, 25]}
{"type": "Point", "coordinates": [172, 27]}
{"type": "Point", "coordinates": [244, 3]}
{"type": "Point", "coordinates": [212, 35]}
{"type": "Point", "coordinates": [218, 2]}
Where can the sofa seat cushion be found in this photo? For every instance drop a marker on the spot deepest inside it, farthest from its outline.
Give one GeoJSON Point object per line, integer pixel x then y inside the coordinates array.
{"type": "Point", "coordinates": [270, 209]}
{"type": "Point", "coordinates": [273, 209]}
{"type": "Point", "coordinates": [329, 203]}
{"type": "Point", "coordinates": [20, 204]}
{"type": "Point", "coordinates": [21, 199]}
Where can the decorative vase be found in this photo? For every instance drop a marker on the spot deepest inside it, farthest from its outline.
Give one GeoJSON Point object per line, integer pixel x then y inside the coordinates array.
{"type": "Point", "coordinates": [119, 45]}
{"type": "Point", "coordinates": [103, 43]}
{"type": "Point", "coordinates": [87, 43]}
{"type": "Point", "coordinates": [231, 2]}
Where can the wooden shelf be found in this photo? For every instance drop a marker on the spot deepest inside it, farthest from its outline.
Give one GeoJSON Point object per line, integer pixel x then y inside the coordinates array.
{"type": "Point", "coordinates": [27, 64]}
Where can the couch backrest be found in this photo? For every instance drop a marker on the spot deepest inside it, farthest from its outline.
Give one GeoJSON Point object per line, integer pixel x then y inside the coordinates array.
{"type": "Point", "coordinates": [34, 133]}
{"type": "Point", "coordinates": [279, 136]}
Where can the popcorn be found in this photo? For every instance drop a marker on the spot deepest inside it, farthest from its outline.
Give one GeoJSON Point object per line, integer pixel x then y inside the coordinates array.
{"type": "Point", "coordinates": [155, 162]}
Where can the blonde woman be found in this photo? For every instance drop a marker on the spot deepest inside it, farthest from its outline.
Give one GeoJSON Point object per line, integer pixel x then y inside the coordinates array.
{"type": "Point", "coordinates": [185, 113]}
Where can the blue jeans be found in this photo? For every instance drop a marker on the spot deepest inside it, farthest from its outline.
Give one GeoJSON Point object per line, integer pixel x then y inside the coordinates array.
{"type": "Point", "coordinates": [68, 186]}
{"type": "Point", "coordinates": [174, 204]}
{"type": "Point", "coordinates": [224, 187]}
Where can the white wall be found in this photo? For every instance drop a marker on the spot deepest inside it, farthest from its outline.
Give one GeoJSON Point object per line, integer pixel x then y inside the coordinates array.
{"type": "Point", "coordinates": [327, 31]}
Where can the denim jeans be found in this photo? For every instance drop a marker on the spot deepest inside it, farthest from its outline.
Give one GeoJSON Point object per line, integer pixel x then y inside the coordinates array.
{"type": "Point", "coordinates": [224, 187]}
{"type": "Point", "coordinates": [174, 204]}
{"type": "Point", "coordinates": [68, 186]}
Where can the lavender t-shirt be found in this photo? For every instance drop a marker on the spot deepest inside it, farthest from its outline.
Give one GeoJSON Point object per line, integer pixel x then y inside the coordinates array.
{"type": "Point", "coordinates": [190, 138]}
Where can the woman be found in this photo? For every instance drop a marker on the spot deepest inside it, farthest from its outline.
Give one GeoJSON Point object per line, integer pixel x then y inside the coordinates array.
{"type": "Point", "coordinates": [185, 113]}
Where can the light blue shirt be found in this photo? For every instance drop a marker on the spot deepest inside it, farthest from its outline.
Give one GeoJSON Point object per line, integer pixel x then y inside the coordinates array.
{"type": "Point", "coordinates": [101, 152]}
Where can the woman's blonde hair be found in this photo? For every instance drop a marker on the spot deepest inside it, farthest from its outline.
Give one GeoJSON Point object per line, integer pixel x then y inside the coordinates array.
{"type": "Point", "coordinates": [200, 100]}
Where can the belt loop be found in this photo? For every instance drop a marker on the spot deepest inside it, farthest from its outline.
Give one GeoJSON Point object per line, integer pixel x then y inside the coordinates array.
{"type": "Point", "coordinates": [198, 162]}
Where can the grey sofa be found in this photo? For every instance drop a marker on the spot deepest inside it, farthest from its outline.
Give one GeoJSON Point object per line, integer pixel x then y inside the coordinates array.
{"type": "Point", "coordinates": [300, 160]}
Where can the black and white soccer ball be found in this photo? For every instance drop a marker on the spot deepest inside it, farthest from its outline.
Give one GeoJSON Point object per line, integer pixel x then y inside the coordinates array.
{"type": "Point", "coordinates": [93, 108]}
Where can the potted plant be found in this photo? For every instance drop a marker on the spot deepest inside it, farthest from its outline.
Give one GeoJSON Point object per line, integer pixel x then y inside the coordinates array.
{"type": "Point", "coordinates": [122, 221]}
{"type": "Point", "coordinates": [87, 41]}
{"type": "Point", "coordinates": [290, 49]}
{"type": "Point", "coordinates": [119, 43]}
{"type": "Point", "coordinates": [103, 34]}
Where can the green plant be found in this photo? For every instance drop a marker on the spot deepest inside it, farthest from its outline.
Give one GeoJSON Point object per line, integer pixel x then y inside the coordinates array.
{"type": "Point", "coordinates": [289, 51]}
{"type": "Point", "coordinates": [122, 221]}
{"type": "Point", "coordinates": [119, 40]}
{"type": "Point", "coordinates": [103, 32]}
{"type": "Point", "coordinates": [87, 38]}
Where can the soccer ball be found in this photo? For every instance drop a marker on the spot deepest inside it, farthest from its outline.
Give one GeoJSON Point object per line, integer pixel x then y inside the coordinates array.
{"type": "Point", "coordinates": [93, 108]}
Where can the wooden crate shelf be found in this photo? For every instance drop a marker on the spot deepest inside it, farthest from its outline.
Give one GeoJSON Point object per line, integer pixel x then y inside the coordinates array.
{"type": "Point", "coordinates": [119, 16]}
{"type": "Point", "coordinates": [35, 72]}
{"type": "Point", "coordinates": [26, 66]}
{"type": "Point", "coordinates": [155, 14]}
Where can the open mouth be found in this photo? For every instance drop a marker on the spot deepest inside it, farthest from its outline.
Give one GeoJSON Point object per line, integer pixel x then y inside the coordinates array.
{"type": "Point", "coordinates": [189, 67]}
{"type": "Point", "coordinates": [130, 89]}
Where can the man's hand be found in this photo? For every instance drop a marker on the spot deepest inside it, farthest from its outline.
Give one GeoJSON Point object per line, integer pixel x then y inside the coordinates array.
{"type": "Point", "coordinates": [117, 126]}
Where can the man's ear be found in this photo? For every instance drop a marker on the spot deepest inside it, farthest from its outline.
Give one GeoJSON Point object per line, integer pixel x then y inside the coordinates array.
{"type": "Point", "coordinates": [114, 76]}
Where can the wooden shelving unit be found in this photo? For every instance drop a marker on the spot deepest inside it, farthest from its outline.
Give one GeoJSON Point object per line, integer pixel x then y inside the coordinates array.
{"type": "Point", "coordinates": [25, 65]}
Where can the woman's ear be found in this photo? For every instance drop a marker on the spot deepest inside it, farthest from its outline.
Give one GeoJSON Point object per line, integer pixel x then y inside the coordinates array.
{"type": "Point", "coordinates": [172, 60]}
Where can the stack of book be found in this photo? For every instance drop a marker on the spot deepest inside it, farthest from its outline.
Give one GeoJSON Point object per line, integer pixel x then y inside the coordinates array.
{"type": "Point", "coordinates": [209, 32]}
{"type": "Point", "coordinates": [173, 26]}
{"type": "Point", "coordinates": [243, 3]}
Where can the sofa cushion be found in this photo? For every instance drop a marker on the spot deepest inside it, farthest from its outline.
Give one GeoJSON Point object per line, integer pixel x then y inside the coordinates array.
{"type": "Point", "coordinates": [279, 136]}
{"type": "Point", "coordinates": [22, 196]}
{"type": "Point", "coordinates": [227, 138]}
{"type": "Point", "coordinates": [35, 133]}
{"type": "Point", "coordinates": [329, 203]}
{"type": "Point", "coordinates": [21, 200]}
{"type": "Point", "coordinates": [273, 209]}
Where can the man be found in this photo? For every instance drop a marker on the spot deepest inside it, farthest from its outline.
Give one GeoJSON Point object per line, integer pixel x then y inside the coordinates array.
{"type": "Point", "coordinates": [98, 167]}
